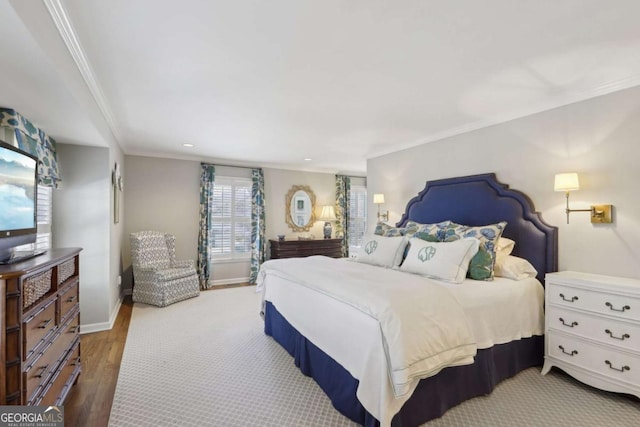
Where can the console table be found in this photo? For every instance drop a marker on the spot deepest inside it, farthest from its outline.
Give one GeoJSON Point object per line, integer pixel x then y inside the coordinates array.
{"type": "Point", "coordinates": [40, 326]}
{"type": "Point", "coordinates": [304, 248]}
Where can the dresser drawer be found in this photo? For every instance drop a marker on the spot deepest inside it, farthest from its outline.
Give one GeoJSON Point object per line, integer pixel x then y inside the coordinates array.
{"type": "Point", "coordinates": [40, 369]}
{"type": "Point", "coordinates": [618, 365]}
{"type": "Point", "coordinates": [611, 332]}
{"type": "Point", "coordinates": [69, 332]}
{"type": "Point", "coordinates": [62, 381]}
{"type": "Point", "coordinates": [68, 299]}
{"type": "Point", "coordinates": [38, 327]}
{"type": "Point", "coordinates": [620, 306]}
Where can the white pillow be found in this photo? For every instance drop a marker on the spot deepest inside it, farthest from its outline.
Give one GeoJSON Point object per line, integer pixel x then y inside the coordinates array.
{"type": "Point", "coordinates": [382, 251]}
{"type": "Point", "coordinates": [448, 261]}
{"type": "Point", "coordinates": [514, 268]}
{"type": "Point", "coordinates": [504, 246]}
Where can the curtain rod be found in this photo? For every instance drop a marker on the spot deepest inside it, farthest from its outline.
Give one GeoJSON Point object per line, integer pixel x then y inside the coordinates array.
{"type": "Point", "coordinates": [228, 166]}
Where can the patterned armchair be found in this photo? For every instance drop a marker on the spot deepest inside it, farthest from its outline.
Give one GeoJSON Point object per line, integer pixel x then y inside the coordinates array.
{"type": "Point", "coordinates": [158, 278]}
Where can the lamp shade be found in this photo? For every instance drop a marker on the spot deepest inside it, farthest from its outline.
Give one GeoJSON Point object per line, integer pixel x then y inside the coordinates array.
{"type": "Point", "coordinates": [378, 199]}
{"type": "Point", "coordinates": [327, 214]}
{"type": "Point", "coordinates": [566, 182]}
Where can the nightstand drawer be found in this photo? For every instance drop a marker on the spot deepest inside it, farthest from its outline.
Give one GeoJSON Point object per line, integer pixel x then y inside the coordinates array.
{"type": "Point", "coordinates": [611, 332]}
{"type": "Point", "coordinates": [618, 365]}
{"type": "Point", "coordinates": [620, 306]}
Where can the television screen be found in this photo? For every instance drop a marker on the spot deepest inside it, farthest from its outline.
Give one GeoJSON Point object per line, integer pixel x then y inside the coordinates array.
{"type": "Point", "coordinates": [17, 190]}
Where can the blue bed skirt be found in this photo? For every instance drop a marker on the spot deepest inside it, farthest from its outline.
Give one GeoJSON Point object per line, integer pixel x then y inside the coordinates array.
{"type": "Point", "coordinates": [432, 397]}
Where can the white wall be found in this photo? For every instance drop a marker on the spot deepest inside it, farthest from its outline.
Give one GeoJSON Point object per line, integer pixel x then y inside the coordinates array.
{"type": "Point", "coordinates": [597, 138]}
{"type": "Point", "coordinates": [82, 218]}
{"type": "Point", "coordinates": [164, 194]}
{"type": "Point", "coordinates": [278, 182]}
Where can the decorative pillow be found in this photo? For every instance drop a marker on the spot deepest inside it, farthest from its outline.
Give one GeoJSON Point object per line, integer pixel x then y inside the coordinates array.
{"type": "Point", "coordinates": [439, 260]}
{"type": "Point", "coordinates": [383, 229]}
{"type": "Point", "coordinates": [514, 268]}
{"type": "Point", "coordinates": [481, 266]}
{"type": "Point", "coordinates": [382, 251]}
{"type": "Point", "coordinates": [429, 232]}
{"type": "Point", "coordinates": [504, 247]}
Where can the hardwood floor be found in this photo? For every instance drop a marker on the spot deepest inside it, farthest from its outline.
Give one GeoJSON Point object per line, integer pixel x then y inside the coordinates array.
{"type": "Point", "coordinates": [89, 402]}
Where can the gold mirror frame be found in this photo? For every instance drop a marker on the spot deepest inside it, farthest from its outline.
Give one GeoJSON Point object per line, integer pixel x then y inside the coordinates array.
{"type": "Point", "coordinates": [289, 199]}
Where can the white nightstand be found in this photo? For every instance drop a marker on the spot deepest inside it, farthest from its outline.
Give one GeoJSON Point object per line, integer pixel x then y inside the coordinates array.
{"type": "Point", "coordinates": [592, 329]}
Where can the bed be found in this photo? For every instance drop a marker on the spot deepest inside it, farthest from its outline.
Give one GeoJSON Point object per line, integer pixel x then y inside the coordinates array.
{"type": "Point", "coordinates": [337, 347]}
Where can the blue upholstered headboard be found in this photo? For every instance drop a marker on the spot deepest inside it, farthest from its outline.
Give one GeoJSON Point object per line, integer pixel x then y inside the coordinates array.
{"type": "Point", "coordinates": [481, 200]}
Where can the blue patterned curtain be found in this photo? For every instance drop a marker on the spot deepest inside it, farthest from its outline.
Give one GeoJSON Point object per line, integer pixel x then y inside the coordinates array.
{"type": "Point", "coordinates": [343, 188]}
{"type": "Point", "coordinates": [258, 239]}
{"type": "Point", "coordinates": [34, 141]}
{"type": "Point", "coordinates": [207, 176]}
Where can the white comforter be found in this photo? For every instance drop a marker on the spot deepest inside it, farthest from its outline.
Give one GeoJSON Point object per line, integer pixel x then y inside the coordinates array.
{"type": "Point", "coordinates": [421, 326]}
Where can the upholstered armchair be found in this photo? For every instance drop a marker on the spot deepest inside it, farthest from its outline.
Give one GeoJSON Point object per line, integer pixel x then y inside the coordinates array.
{"type": "Point", "coordinates": [159, 279]}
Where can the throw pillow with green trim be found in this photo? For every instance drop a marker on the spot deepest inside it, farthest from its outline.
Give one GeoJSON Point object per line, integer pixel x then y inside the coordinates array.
{"type": "Point", "coordinates": [482, 264]}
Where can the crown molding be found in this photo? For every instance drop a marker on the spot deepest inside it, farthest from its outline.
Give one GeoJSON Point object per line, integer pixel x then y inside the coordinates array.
{"type": "Point", "coordinates": [65, 28]}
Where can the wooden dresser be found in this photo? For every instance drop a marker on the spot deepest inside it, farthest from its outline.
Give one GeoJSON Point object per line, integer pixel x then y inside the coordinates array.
{"type": "Point", "coordinates": [40, 326]}
{"type": "Point", "coordinates": [303, 248]}
{"type": "Point", "coordinates": [593, 329]}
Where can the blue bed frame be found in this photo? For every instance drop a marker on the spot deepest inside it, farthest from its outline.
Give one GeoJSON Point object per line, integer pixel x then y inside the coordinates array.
{"type": "Point", "coordinates": [470, 200]}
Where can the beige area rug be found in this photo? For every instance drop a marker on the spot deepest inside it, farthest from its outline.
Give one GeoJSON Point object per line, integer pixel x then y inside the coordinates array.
{"type": "Point", "coordinates": [207, 362]}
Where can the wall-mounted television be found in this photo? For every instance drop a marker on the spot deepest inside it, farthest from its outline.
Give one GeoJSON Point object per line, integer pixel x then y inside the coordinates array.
{"type": "Point", "coordinates": [18, 199]}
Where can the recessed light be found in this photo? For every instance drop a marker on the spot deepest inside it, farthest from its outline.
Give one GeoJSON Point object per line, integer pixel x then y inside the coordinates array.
{"type": "Point", "coordinates": [308, 159]}
{"type": "Point", "coordinates": [187, 145]}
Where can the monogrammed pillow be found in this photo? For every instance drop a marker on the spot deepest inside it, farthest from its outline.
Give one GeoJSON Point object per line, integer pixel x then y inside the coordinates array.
{"type": "Point", "coordinates": [448, 261]}
{"type": "Point", "coordinates": [382, 251]}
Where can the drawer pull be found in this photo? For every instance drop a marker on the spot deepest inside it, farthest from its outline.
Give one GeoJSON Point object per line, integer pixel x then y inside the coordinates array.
{"type": "Point", "coordinates": [573, 352]}
{"type": "Point", "coordinates": [567, 324]}
{"type": "Point", "coordinates": [621, 338]}
{"type": "Point", "coordinates": [624, 368]}
{"type": "Point", "coordinates": [74, 329]}
{"type": "Point", "coordinates": [45, 323]}
{"type": "Point", "coordinates": [626, 307]}
{"type": "Point", "coordinates": [76, 361]}
{"type": "Point", "coordinates": [42, 371]}
{"type": "Point", "coordinates": [72, 299]}
{"type": "Point", "coordinates": [569, 300]}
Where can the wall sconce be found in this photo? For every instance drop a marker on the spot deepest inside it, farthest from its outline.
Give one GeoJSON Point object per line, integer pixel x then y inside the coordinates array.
{"type": "Point", "coordinates": [328, 214]}
{"type": "Point", "coordinates": [567, 182]}
{"type": "Point", "coordinates": [378, 199]}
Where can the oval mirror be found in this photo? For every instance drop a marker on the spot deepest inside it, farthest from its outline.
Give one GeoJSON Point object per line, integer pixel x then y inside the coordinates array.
{"type": "Point", "coordinates": [300, 213]}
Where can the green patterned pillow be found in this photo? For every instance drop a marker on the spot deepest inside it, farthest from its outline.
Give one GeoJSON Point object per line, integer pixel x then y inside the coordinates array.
{"type": "Point", "coordinates": [385, 230]}
{"type": "Point", "coordinates": [482, 264]}
{"type": "Point", "coordinates": [429, 232]}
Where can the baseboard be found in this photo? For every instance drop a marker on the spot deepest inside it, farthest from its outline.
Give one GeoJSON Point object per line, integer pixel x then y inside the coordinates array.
{"type": "Point", "coordinates": [230, 281]}
{"type": "Point", "coordinates": [102, 326]}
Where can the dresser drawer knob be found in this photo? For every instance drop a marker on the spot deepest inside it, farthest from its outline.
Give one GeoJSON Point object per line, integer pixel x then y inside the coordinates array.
{"type": "Point", "coordinates": [567, 324]}
{"type": "Point", "coordinates": [573, 352]}
{"type": "Point", "coordinates": [569, 300]}
{"type": "Point", "coordinates": [72, 299]}
{"type": "Point", "coordinates": [622, 338]}
{"type": "Point", "coordinates": [42, 371]}
{"type": "Point", "coordinates": [45, 323]}
{"type": "Point", "coordinates": [624, 368]}
{"type": "Point", "coordinates": [623, 309]}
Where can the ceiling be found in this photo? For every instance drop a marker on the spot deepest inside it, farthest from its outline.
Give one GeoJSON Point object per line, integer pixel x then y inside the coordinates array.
{"type": "Point", "coordinates": [272, 83]}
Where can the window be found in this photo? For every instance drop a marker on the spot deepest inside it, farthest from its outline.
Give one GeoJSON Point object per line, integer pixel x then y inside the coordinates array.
{"type": "Point", "coordinates": [357, 217]}
{"type": "Point", "coordinates": [43, 219]}
{"type": "Point", "coordinates": [230, 218]}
